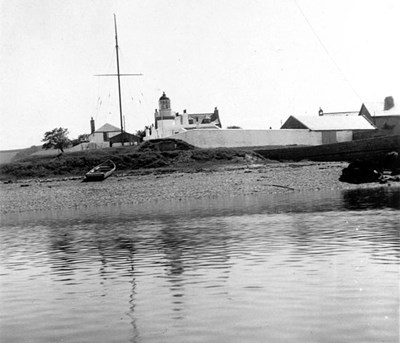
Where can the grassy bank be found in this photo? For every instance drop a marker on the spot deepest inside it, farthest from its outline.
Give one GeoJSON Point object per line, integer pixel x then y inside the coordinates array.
{"type": "Point", "coordinates": [145, 156]}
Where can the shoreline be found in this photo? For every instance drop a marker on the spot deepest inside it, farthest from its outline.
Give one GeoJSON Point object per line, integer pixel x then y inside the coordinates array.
{"type": "Point", "coordinates": [179, 184]}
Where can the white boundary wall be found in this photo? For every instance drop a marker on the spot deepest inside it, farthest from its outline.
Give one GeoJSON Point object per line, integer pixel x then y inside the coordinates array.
{"type": "Point", "coordinates": [79, 147]}
{"type": "Point", "coordinates": [231, 138]}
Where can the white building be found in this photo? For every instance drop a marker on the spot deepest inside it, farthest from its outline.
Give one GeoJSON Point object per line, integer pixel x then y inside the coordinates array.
{"type": "Point", "coordinates": [384, 114]}
{"type": "Point", "coordinates": [168, 123]}
{"type": "Point", "coordinates": [333, 128]}
{"type": "Point", "coordinates": [103, 135]}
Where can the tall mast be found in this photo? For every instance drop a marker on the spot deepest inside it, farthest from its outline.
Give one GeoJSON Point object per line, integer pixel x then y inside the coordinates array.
{"type": "Point", "coordinates": [119, 82]}
{"type": "Point", "coordinates": [121, 117]}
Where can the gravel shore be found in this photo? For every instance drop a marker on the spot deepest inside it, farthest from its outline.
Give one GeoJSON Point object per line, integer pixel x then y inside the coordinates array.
{"type": "Point", "coordinates": [152, 186]}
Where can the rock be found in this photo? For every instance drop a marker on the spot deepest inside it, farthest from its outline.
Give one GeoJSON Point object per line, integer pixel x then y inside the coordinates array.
{"type": "Point", "coordinates": [360, 172]}
{"type": "Point", "coordinates": [391, 162]}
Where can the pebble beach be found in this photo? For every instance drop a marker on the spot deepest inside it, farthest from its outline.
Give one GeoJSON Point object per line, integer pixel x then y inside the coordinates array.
{"type": "Point", "coordinates": [151, 186]}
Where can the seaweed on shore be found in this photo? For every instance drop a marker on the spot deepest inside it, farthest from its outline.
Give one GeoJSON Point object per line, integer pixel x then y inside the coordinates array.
{"type": "Point", "coordinates": [169, 154]}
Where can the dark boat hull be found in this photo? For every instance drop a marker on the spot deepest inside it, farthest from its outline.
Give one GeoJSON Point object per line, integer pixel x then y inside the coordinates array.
{"type": "Point", "coordinates": [363, 149]}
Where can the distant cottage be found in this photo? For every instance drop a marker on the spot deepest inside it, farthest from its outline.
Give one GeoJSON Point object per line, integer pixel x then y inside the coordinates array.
{"type": "Point", "coordinates": [384, 114]}
{"type": "Point", "coordinates": [109, 135]}
{"type": "Point", "coordinates": [103, 134]}
{"type": "Point", "coordinates": [332, 128]}
{"type": "Point", "coordinates": [168, 123]}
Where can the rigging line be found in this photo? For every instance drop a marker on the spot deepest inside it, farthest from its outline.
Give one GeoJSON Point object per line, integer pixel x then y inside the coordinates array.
{"type": "Point", "coordinates": [99, 101]}
{"type": "Point", "coordinates": [109, 64]}
{"type": "Point", "coordinates": [326, 50]}
{"type": "Point", "coordinates": [101, 88]}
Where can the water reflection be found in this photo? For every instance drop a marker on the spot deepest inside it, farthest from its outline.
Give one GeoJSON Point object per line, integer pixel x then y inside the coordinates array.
{"type": "Point", "coordinates": [203, 270]}
{"type": "Point", "coordinates": [364, 199]}
{"type": "Point", "coordinates": [296, 202]}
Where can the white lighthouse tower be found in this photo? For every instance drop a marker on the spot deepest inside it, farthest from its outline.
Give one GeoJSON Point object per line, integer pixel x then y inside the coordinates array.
{"type": "Point", "coordinates": [164, 118]}
{"type": "Point", "coordinates": [168, 123]}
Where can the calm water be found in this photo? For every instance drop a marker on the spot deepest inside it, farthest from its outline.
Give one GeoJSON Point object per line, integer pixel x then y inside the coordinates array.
{"type": "Point", "coordinates": [320, 267]}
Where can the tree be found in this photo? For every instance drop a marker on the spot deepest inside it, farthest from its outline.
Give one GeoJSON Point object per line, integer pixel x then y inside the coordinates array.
{"type": "Point", "coordinates": [75, 142]}
{"type": "Point", "coordinates": [141, 133]}
{"type": "Point", "coordinates": [83, 138]}
{"type": "Point", "coordinates": [57, 139]}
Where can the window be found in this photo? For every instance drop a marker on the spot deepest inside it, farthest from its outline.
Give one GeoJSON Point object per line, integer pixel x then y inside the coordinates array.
{"type": "Point", "coordinates": [105, 137]}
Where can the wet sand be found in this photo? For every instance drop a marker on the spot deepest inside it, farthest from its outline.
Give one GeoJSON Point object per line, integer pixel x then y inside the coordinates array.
{"type": "Point", "coordinates": [142, 187]}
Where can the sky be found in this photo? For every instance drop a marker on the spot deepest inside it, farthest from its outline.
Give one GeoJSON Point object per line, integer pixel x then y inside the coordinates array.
{"type": "Point", "coordinates": [258, 61]}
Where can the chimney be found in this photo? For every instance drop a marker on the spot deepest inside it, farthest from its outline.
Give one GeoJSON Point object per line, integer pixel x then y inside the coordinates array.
{"type": "Point", "coordinates": [92, 129]}
{"type": "Point", "coordinates": [389, 103]}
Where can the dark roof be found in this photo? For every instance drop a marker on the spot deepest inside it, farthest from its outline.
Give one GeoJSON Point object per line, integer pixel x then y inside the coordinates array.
{"type": "Point", "coordinates": [212, 117]}
{"type": "Point", "coordinates": [164, 97]}
{"type": "Point", "coordinates": [127, 138]}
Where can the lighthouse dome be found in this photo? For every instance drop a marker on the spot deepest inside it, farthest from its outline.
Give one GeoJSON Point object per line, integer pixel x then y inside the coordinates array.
{"type": "Point", "coordinates": [164, 102]}
{"type": "Point", "coordinates": [164, 97]}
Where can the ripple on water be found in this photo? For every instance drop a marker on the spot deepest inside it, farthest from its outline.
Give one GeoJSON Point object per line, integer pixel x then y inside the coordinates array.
{"type": "Point", "coordinates": [291, 267]}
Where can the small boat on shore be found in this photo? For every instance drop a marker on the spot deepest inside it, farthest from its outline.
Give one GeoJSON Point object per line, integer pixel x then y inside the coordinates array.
{"type": "Point", "coordinates": [100, 172]}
